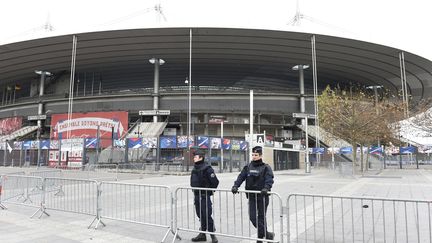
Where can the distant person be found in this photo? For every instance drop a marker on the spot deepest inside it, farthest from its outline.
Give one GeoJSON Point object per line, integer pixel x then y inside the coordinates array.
{"type": "Point", "coordinates": [259, 177]}
{"type": "Point", "coordinates": [203, 176]}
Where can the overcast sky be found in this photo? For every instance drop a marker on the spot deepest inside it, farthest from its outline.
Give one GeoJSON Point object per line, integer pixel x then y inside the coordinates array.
{"type": "Point", "coordinates": [403, 24]}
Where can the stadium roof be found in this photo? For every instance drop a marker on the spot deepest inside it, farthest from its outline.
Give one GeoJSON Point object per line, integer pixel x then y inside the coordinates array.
{"type": "Point", "coordinates": [220, 56]}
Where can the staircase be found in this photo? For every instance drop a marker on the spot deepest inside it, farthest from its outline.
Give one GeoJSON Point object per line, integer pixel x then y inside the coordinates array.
{"type": "Point", "coordinates": [18, 133]}
{"type": "Point", "coordinates": [141, 130]}
{"type": "Point", "coordinates": [331, 140]}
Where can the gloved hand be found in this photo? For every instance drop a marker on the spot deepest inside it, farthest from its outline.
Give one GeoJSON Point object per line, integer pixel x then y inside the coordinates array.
{"type": "Point", "coordinates": [264, 191]}
{"type": "Point", "coordinates": [234, 189]}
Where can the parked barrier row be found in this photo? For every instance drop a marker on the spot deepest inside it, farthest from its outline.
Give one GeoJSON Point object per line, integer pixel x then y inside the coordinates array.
{"type": "Point", "coordinates": [320, 218]}
{"type": "Point", "coordinates": [309, 218]}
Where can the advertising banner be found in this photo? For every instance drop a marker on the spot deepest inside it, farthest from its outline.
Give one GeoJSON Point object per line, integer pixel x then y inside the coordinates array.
{"type": "Point", "coordinates": [215, 143]}
{"type": "Point", "coordinates": [375, 150]}
{"type": "Point", "coordinates": [317, 150]}
{"type": "Point", "coordinates": [346, 150]}
{"type": "Point", "coordinates": [182, 141]}
{"type": "Point", "coordinates": [235, 145]}
{"type": "Point", "coordinates": [407, 150]}
{"type": "Point", "coordinates": [149, 142]}
{"type": "Point", "coordinates": [243, 145]}
{"type": "Point", "coordinates": [10, 125]}
{"type": "Point", "coordinates": [168, 142]}
{"type": "Point", "coordinates": [203, 142]}
{"type": "Point", "coordinates": [87, 125]}
{"type": "Point", "coordinates": [134, 143]}
{"type": "Point", "coordinates": [226, 144]}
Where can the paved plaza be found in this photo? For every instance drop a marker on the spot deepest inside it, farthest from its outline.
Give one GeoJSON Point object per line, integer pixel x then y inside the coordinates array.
{"type": "Point", "coordinates": [17, 226]}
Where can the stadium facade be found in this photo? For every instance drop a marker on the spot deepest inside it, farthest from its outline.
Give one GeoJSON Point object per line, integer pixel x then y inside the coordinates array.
{"type": "Point", "coordinates": [121, 71]}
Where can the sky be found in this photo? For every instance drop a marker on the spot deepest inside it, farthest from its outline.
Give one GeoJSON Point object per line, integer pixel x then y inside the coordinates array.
{"type": "Point", "coordinates": [401, 24]}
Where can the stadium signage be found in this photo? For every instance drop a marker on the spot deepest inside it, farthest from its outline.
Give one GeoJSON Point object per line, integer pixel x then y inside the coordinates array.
{"type": "Point", "coordinates": [36, 117]}
{"type": "Point", "coordinates": [154, 112]}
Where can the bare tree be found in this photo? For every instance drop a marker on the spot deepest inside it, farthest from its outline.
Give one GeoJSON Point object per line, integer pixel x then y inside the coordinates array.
{"type": "Point", "coordinates": [353, 115]}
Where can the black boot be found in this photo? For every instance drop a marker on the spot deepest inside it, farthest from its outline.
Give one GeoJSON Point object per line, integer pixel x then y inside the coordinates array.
{"type": "Point", "coordinates": [214, 239]}
{"type": "Point", "coordinates": [270, 236]}
{"type": "Point", "coordinates": [199, 237]}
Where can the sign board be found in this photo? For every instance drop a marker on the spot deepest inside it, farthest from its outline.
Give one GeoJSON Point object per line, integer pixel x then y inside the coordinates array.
{"type": "Point", "coordinates": [304, 115]}
{"type": "Point", "coordinates": [36, 117]}
{"type": "Point", "coordinates": [154, 113]}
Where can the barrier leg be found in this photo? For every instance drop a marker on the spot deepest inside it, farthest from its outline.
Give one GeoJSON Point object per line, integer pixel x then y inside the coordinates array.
{"type": "Point", "coordinates": [98, 220]}
{"type": "Point", "coordinates": [42, 211]}
{"type": "Point", "coordinates": [176, 236]}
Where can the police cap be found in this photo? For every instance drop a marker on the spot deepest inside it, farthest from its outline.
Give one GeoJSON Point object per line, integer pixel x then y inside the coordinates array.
{"type": "Point", "coordinates": [199, 152]}
{"type": "Point", "coordinates": [257, 149]}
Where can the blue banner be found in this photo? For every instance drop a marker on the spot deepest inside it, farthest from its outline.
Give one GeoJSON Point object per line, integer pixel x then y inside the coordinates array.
{"type": "Point", "coordinates": [375, 150]}
{"type": "Point", "coordinates": [168, 142]}
{"type": "Point", "coordinates": [407, 150]}
{"type": "Point", "coordinates": [203, 142]}
{"type": "Point", "coordinates": [27, 144]}
{"type": "Point", "coordinates": [226, 144]}
{"type": "Point", "coordinates": [243, 145]}
{"type": "Point", "coordinates": [45, 144]}
{"type": "Point", "coordinates": [134, 143]}
{"type": "Point", "coordinates": [91, 142]}
{"type": "Point", "coordinates": [318, 150]}
{"type": "Point", "coordinates": [346, 150]}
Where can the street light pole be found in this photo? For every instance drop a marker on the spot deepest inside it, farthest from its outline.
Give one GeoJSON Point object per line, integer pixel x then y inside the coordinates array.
{"type": "Point", "coordinates": [42, 74]}
{"type": "Point", "coordinates": [306, 117]}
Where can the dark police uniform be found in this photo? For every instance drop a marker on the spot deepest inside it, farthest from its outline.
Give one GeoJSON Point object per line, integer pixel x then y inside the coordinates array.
{"type": "Point", "coordinates": [203, 176]}
{"type": "Point", "coordinates": [258, 177]}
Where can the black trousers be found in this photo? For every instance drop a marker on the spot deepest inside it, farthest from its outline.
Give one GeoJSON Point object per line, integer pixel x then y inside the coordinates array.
{"type": "Point", "coordinates": [257, 213]}
{"type": "Point", "coordinates": [203, 209]}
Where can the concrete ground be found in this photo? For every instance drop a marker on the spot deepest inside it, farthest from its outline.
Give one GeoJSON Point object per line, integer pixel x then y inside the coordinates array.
{"type": "Point", "coordinates": [17, 226]}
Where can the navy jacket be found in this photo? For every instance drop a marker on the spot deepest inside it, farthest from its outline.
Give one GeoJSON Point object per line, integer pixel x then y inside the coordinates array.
{"type": "Point", "coordinates": [203, 175]}
{"type": "Point", "coordinates": [257, 175]}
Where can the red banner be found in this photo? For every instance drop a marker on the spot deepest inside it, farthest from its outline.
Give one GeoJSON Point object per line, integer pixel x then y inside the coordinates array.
{"type": "Point", "coordinates": [86, 125]}
{"type": "Point", "coordinates": [10, 125]}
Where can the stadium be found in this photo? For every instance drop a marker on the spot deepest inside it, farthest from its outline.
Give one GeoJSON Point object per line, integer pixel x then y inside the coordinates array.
{"type": "Point", "coordinates": [146, 83]}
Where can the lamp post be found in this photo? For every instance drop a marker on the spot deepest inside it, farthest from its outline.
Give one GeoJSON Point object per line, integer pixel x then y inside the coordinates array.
{"type": "Point", "coordinates": [300, 69]}
{"type": "Point", "coordinates": [189, 118]}
{"type": "Point", "coordinates": [42, 74]}
{"type": "Point", "coordinates": [222, 149]}
{"type": "Point", "coordinates": [306, 117]}
{"type": "Point", "coordinates": [157, 62]}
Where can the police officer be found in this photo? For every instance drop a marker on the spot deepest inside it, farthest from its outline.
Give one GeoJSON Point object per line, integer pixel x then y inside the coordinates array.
{"type": "Point", "coordinates": [203, 176]}
{"type": "Point", "coordinates": [259, 177]}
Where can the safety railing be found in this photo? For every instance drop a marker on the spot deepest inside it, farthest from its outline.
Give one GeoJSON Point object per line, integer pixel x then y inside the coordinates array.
{"type": "Point", "coordinates": [137, 203]}
{"type": "Point", "coordinates": [22, 190]}
{"type": "Point", "coordinates": [71, 195]}
{"type": "Point", "coordinates": [320, 218]}
{"type": "Point", "coordinates": [230, 213]}
{"type": "Point", "coordinates": [47, 173]}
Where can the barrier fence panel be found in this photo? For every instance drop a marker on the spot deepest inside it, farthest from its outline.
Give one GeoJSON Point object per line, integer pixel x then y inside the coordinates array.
{"type": "Point", "coordinates": [47, 173]}
{"type": "Point", "coordinates": [143, 204]}
{"type": "Point", "coordinates": [319, 218]}
{"type": "Point", "coordinates": [71, 195]}
{"type": "Point", "coordinates": [2, 206]}
{"type": "Point", "coordinates": [22, 190]}
{"type": "Point", "coordinates": [230, 213]}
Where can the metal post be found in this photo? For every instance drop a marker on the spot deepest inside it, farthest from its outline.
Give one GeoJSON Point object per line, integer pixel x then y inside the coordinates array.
{"type": "Point", "coordinates": [250, 124]}
{"type": "Point", "coordinates": [307, 165]}
{"type": "Point", "coordinates": [222, 150]}
{"type": "Point", "coordinates": [189, 99]}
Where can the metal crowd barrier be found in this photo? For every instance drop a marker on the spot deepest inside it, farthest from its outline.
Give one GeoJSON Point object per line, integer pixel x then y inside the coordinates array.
{"type": "Point", "coordinates": [320, 218]}
{"type": "Point", "coordinates": [22, 190]}
{"type": "Point", "coordinates": [137, 203]}
{"type": "Point", "coordinates": [230, 214]}
{"type": "Point", "coordinates": [47, 173]}
{"type": "Point", "coordinates": [71, 195]}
